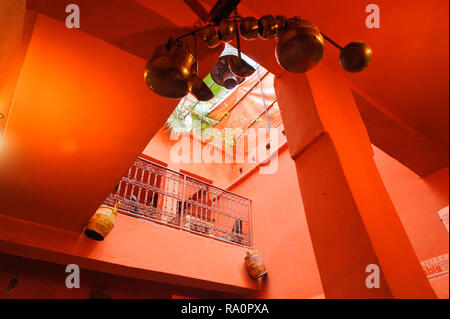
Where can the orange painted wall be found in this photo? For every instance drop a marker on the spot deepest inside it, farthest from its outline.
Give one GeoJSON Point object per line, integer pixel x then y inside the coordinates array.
{"type": "Point", "coordinates": [16, 27]}
{"type": "Point", "coordinates": [281, 233]}
{"type": "Point", "coordinates": [417, 201]}
{"type": "Point", "coordinates": [161, 145]}
{"type": "Point", "coordinates": [81, 115]}
{"type": "Point", "coordinates": [221, 174]}
{"type": "Point", "coordinates": [138, 249]}
{"type": "Point", "coordinates": [38, 279]}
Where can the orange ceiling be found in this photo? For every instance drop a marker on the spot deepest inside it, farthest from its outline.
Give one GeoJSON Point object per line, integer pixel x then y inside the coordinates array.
{"type": "Point", "coordinates": [136, 27]}
{"type": "Point", "coordinates": [409, 71]}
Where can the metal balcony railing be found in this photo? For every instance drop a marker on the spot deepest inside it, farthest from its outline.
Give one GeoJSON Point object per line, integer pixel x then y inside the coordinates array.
{"type": "Point", "coordinates": [153, 192]}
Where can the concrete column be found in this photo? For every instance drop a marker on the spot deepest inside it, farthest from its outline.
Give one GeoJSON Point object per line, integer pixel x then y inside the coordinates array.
{"type": "Point", "coordinates": [351, 218]}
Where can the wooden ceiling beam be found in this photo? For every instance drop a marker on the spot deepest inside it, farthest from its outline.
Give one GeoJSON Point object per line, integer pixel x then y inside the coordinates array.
{"type": "Point", "coordinates": [198, 9]}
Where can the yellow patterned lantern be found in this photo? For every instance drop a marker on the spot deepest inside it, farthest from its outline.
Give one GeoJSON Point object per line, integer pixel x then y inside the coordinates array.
{"type": "Point", "coordinates": [255, 266]}
{"type": "Point", "coordinates": [101, 224]}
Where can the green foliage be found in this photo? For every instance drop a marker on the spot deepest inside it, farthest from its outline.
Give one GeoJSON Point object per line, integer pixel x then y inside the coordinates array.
{"type": "Point", "coordinates": [191, 113]}
{"type": "Point", "coordinates": [176, 123]}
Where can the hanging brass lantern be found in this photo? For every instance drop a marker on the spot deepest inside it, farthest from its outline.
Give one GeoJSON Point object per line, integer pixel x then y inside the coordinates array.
{"type": "Point", "coordinates": [279, 24]}
{"type": "Point", "coordinates": [168, 69]}
{"type": "Point", "coordinates": [249, 28]}
{"type": "Point", "coordinates": [240, 67]}
{"type": "Point", "coordinates": [355, 56]}
{"type": "Point", "coordinates": [170, 73]}
{"type": "Point", "coordinates": [300, 46]}
{"type": "Point", "coordinates": [265, 27]}
{"type": "Point", "coordinates": [210, 35]}
{"type": "Point", "coordinates": [102, 222]}
{"type": "Point", "coordinates": [270, 26]}
{"type": "Point", "coordinates": [226, 30]}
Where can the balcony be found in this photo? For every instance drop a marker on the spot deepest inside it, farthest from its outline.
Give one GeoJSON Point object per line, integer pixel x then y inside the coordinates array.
{"type": "Point", "coordinates": [155, 193]}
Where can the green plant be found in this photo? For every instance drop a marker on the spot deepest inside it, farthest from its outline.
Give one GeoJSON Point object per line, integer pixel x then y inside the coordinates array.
{"type": "Point", "coordinates": [193, 114]}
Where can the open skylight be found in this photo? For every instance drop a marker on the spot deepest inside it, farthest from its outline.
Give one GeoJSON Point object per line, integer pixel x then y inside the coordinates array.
{"type": "Point", "coordinates": [190, 111]}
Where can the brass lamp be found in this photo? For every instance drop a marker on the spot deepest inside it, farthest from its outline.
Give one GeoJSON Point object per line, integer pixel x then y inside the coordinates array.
{"type": "Point", "coordinates": [249, 28]}
{"type": "Point", "coordinates": [270, 26]}
{"type": "Point", "coordinates": [222, 75]}
{"type": "Point", "coordinates": [226, 30]}
{"type": "Point", "coordinates": [231, 69]}
{"type": "Point", "coordinates": [355, 56]}
{"type": "Point", "coordinates": [240, 67]}
{"type": "Point", "coordinates": [199, 89]}
{"type": "Point", "coordinates": [170, 72]}
{"type": "Point", "coordinates": [300, 46]}
{"type": "Point", "coordinates": [168, 69]}
{"type": "Point", "coordinates": [210, 35]}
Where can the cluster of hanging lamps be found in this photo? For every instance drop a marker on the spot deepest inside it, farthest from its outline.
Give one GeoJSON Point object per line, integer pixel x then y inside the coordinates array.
{"type": "Point", "coordinates": [172, 71]}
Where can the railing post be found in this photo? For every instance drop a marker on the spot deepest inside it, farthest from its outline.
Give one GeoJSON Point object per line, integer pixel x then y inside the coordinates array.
{"type": "Point", "coordinates": [250, 234]}
{"type": "Point", "coordinates": [182, 202]}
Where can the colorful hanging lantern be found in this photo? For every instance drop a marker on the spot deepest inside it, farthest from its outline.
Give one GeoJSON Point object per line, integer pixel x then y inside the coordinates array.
{"type": "Point", "coordinates": [210, 35]}
{"type": "Point", "coordinates": [255, 266]}
{"type": "Point", "coordinates": [249, 28]}
{"type": "Point", "coordinates": [171, 72]}
{"type": "Point", "coordinates": [101, 224]}
{"type": "Point", "coordinates": [226, 30]}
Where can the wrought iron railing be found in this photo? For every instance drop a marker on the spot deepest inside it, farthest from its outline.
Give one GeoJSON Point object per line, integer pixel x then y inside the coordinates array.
{"type": "Point", "coordinates": [156, 193]}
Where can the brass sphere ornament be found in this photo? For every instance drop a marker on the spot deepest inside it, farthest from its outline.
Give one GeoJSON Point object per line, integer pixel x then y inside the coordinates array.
{"type": "Point", "coordinates": [300, 46]}
{"type": "Point", "coordinates": [355, 56]}
{"type": "Point", "coordinates": [210, 36]}
{"type": "Point", "coordinates": [226, 30]}
{"type": "Point", "coordinates": [280, 23]}
{"type": "Point", "coordinates": [249, 28]}
{"type": "Point", "coordinates": [270, 26]}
